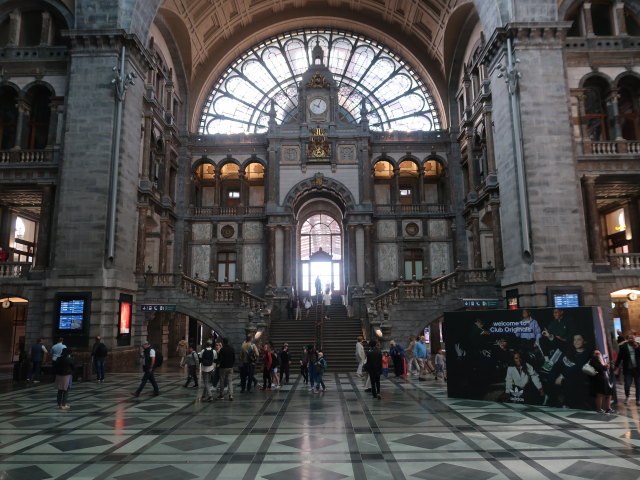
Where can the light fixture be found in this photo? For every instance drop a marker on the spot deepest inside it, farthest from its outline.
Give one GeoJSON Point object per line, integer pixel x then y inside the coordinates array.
{"type": "Point", "coordinates": [378, 332]}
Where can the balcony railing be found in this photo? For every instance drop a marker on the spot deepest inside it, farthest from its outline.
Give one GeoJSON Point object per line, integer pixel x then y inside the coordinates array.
{"type": "Point", "coordinates": [625, 261]}
{"type": "Point", "coordinates": [14, 269]}
{"type": "Point", "coordinates": [611, 148]}
{"type": "Point", "coordinates": [437, 208]}
{"type": "Point", "coordinates": [225, 211]}
{"type": "Point", "coordinates": [28, 157]}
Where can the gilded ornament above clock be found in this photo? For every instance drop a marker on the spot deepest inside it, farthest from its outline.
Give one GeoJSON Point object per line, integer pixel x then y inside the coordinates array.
{"type": "Point", "coordinates": [318, 81]}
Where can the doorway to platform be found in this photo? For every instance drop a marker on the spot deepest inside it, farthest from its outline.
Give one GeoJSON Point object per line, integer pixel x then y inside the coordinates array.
{"type": "Point", "coordinates": [320, 261]}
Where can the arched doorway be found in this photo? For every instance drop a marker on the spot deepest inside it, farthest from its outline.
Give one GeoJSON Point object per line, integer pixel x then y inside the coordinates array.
{"type": "Point", "coordinates": [320, 243]}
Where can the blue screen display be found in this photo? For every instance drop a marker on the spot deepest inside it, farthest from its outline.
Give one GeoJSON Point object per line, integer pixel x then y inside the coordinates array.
{"type": "Point", "coordinates": [71, 314]}
{"type": "Point", "coordinates": [566, 300]}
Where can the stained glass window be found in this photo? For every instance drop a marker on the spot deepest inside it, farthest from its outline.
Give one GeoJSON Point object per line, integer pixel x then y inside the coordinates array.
{"type": "Point", "coordinates": [395, 95]}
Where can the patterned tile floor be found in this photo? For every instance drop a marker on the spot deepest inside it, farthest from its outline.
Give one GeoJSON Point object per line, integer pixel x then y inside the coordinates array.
{"type": "Point", "coordinates": [413, 432]}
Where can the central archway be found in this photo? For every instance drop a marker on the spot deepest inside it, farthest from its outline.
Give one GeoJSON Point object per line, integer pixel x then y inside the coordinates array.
{"type": "Point", "coordinates": [321, 252]}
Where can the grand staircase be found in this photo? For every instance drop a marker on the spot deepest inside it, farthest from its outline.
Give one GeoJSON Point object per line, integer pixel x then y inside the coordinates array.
{"type": "Point", "coordinates": [335, 335]}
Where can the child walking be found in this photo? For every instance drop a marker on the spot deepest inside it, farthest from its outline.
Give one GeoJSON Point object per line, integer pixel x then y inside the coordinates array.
{"type": "Point", "coordinates": [385, 364]}
{"type": "Point", "coordinates": [441, 365]}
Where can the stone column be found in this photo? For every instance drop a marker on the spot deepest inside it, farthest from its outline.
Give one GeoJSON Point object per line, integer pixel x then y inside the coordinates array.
{"type": "Point", "coordinates": [634, 223]}
{"type": "Point", "coordinates": [55, 115]}
{"type": "Point", "coordinates": [46, 33]}
{"type": "Point", "coordinates": [420, 185]}
{"type": "Point", "coordinates": [146, 145]}
{"type": "Point", "coordinates": [166, 187]}
{"type": "Point", "coordinates": [488, 128]}
{"type": "Point", "coordinates": [162, 261]}
{"type": "Point", "coordinates": [141, 244]}
{"type": "Point", "coordinates": [351, 245]}
{"type": "Point", "coordinates": [21, 123]}
{"type": "Point", "coordinates": [612, 110]}
{"type": "Point", "coordinates": [244, 191]}
{"type": "Point", "coordinates": [620, 26]}
{"type": "Point", "coordinates": [369, 252]}
{"type": "Point", "coordinates": [588, 22]}
{"type": "Point", "coordinates": [496, 227]}
{"type": "Point", "coordinates": [471, 161]}
{"type": "Point", "coordinates": [15, 24]}
{"type": "Point", "coordinates": [475, 240]}
{"type": "Point", "coordinates": [44, 228]}
{"type": "Point", "coordinates": [395, 189]}
{"type": "Point", "coordinates": [288, 255]}
{"type": "Point", "coordinates": [271, 263]}
{"type": "Point", "coordinates": [593, 218]}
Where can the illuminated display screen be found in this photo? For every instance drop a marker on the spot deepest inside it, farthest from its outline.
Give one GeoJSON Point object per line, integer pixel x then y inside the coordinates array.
{"type": "Point", "coordinates": [124, 325]}
{"type": "Point", "coordinates": [566, 300]}
{"type": "Point", "coordinates": [71, 314]}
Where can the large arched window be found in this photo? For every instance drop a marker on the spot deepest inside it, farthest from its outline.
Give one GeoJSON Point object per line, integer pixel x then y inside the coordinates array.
{"type": "Point", "coordinates": [321, 253]}
{"type": "Point", "coordinates": [595, 108]}
{"type": "Point", "coordinates": [395, 95]}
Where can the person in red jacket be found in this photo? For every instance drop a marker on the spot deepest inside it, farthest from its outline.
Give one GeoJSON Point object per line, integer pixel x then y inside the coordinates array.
{"type": "Point", "coordinates": [267, 363]}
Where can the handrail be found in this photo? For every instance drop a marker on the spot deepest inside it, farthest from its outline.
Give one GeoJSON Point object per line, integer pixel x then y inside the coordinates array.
{"type": "Point", "coordinates": [617, 147]}
{"type": "Point", "coordinates": [624, 261]}
{"type": "Point", "coordinates": [441, 208]}
{"type": "Point", "coordinates": [224, 211]}
{"type": "Point", "coordinates": [14, 269]}
{"type": "Point", "coordinates": [231, 293]}
{"type": "Point", "coordinates": [422, 289]}
{"type": "Point", "coordinates": [27, 156]}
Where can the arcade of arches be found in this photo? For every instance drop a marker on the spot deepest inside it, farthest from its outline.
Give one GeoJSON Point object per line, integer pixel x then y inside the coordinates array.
{"type": "Point", "coordinates": [196, 156]}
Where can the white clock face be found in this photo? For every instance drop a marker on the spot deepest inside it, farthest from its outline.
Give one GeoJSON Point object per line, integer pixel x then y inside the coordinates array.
{"type": "Point", "coordinates": [318, 106]}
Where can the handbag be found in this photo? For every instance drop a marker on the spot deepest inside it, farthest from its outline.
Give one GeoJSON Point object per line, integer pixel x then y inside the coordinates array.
{"type": "Point", "coordinates": [588, 369]}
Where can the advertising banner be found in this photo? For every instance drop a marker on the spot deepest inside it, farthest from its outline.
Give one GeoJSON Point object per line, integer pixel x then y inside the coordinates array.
{"type": "Point", "coordinates": [532, 356]}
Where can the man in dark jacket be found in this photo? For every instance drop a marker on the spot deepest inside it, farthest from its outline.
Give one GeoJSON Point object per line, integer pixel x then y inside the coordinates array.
{"type": "Point", "coordinates": [38, 351]}
{"type": "Point", "coordinates": [285, 361]}
{"type": "Point", "coordinates": [629, 356]}
{"type": "Point", "coordinates": [374, 367]}
{"type": "Point", "coordinates": [226, 359]}
{"type": "Point", "coordinates": [148, 364]}
{"type": "Point", "coordinates": [99, 355]}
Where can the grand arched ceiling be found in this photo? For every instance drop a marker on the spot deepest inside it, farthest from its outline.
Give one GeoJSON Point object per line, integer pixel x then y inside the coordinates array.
{"type": "Point", "coordinates": [222, 30]}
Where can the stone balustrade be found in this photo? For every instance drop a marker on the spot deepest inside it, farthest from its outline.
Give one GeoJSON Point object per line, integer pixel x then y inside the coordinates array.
{"type": "Point", "coordinates": [27, 156]}
{"type": "Point", "coordinates": [618, 147]}
{"type": "Point", "coordinates": [225, 211]}
{"type": "Point", "coordinates": [625, 261]}
{"type": "Point", "coordinates": [14, 269]}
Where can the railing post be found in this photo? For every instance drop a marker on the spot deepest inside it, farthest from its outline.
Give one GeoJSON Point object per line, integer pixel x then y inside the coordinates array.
{"type": "Point", "coordinates": [426, 283]}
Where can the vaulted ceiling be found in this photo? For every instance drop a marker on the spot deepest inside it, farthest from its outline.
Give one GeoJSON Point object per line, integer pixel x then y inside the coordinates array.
{"type": "Point", "coordinates": [212, 33]}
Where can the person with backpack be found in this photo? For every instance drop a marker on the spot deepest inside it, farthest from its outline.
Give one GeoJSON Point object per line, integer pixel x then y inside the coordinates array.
{"type": "Point", "coordinates": [320, 367]}
{"type": "Point", "coordinates": [99, 355]}
{"type": "Point", "coordinates": [208, 356]}
{"type": "Point", "coordinates": [63, 370]}
{"type": "Point", "coordinates": [192, 360]}
{"type": "Point", "coordinates": [226, 359]}
{"type": "Point", "coordinates": [248, 359]}
{"type": "Point", "coordinates": [150, 361]}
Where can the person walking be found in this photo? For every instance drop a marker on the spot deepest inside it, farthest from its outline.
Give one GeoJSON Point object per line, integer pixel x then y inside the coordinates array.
{"type": "Point", "coordinates": [267, 363]}
{"type": "Point", "coordinates": [374, 368]}
{"type": "Point", "coordinates": [99, 354]}
{"type": "Point", "coordinates": [421, 355]}
{"type": "Point", "coordinates": [63, 369]}
{"type": "Point", "coordinates": [226, 359]}
{"type": "Point", "coordinates": [181, 351]}
{"type": "Point", "coordinates": [397, 356]}
{"type": "Point", "coordinates": [208, 356]}
{"type": "Point", "coordinates": [629, 357]}
{"type": "Point", "coordinates": [148, 356]}
{"type": "Point", "coordinates": [360, 355]}
{"type": "Point", "coordinates": [321, 367]}
{"type": "Point", "coordinates": [304, 362]}
{"type": "Point", "coordinates": [192, 360]}
{"type": "Point", "coordinates": [311, 369]}
{"type": "Point", "coordinates": [441, 365]}
{"type": "Point", "coordinates": [38, 353]}
{"type": "Point", "coordinates": [285, 362]}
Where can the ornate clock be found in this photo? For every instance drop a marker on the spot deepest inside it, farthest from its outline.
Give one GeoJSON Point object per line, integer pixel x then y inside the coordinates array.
{"type": "Point", "coordinates": [318, 106]}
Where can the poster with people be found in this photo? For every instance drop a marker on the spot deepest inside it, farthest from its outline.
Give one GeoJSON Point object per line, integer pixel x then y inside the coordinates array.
{"type": "Point", "coordinates": [530, 356]}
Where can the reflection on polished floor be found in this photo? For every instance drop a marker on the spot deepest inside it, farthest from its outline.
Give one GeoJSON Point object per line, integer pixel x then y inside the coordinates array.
{"type": "Point", "coordinates": [414, 431]}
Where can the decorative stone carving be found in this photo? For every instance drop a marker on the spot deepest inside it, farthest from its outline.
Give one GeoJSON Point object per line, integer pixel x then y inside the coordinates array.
{"type": "Point", "coordinates": [227, 231]}
{"type": "Point", "coordinates": [290, 154]}
{"type": "Point", "coordinates": [347, 153]}
{"type": "Point", "coordinates": [412, 229]}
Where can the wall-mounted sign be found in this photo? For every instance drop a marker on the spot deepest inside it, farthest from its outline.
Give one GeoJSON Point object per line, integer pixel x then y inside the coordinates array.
{"type": "Point", "coordinates": [481, 303]}
{"type": "Point", "coordinates": [158, 308]}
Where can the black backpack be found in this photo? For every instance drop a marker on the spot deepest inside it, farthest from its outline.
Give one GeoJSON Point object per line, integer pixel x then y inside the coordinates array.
{"type": "Point", "coordinates": [251, 355]}
{"type": "Point", "coordinates": [159, 359]}
{"type": "Point", "coordinates": [207, 357]}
